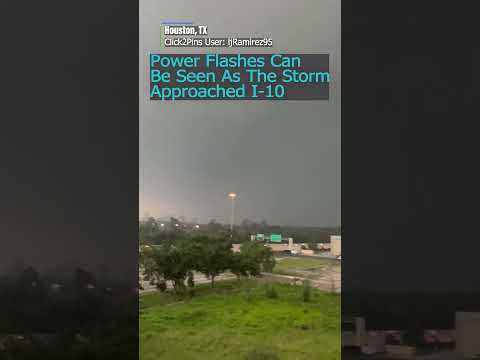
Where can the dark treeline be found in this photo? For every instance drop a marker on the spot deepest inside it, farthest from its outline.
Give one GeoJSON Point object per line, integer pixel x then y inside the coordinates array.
{"type": "Point", "coordinates": [425, 310]}
{"type": "Point", "coordinates": [154, 231]}
{"type": "Point", "coordinates": [77, 317]}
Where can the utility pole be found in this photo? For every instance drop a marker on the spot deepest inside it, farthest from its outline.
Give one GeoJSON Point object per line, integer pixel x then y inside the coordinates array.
{"type": "Point", "coordinates": [232, 197]}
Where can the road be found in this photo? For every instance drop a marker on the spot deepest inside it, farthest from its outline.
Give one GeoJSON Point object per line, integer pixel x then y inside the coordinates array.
{"type": "Point", "coordinates": [197, 277]}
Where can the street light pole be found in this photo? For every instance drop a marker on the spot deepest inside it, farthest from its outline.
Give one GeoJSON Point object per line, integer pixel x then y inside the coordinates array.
{"type": "Point", "coordinates": [232, 196]}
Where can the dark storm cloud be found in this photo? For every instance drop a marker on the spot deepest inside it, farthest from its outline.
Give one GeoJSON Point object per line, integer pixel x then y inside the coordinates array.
{"type": "Point", "coordinates": [282, 158]}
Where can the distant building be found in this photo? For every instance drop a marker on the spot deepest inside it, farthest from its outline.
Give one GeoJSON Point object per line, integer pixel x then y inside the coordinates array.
{"type": "Point", "coordinates": [454, 344]}
{"type": "Point", "coordinates": [354, 334]}
{"type": "Point", "coordinates": [287, 244]}
{"type": "Point", "coordinates": [467, 333]}
{"type": "Point", "coordinates": [236, 247]}
{"type": "Point", "coordinates": [336, 245]}
{"type": "Point", "coordinates": [323, 246]}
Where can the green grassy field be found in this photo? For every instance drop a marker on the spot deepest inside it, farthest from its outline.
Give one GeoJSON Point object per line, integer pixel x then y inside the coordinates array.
{"type": "Point", "coordinates": [303, 266]}
{"type": "Point", "coordinates": [236, 319]}
{"type": "Point", "coordinates": [300, 263]}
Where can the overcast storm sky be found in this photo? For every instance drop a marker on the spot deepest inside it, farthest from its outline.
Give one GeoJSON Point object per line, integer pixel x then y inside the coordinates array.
{"type": "Point", "coordinates": [282, 158]}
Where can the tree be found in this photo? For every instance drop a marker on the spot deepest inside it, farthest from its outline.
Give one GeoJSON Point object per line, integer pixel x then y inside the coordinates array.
{"type": "Point", "coordinates": [29, 286]}
{"type": "Point", "coordinates": [248, 226]}
{"type": "Point", "coordinates": [29, 279]}
{"type": "Point", "coordinates": [175, 261]}
{"type": "Point", "coordinates": [171, 261]}
{"type": "Point", "coordinates": [313, 244]}
{"type": "Point", "coordinates": [263, 226]}
{"type": "Point", "coordinates": [148, 229]}
{"type": "Point", "coordinates": [212, 256]}
{"type": "Point", "coordinates": [174, 223]}
{"type": "Point", "coordinates": [150, 268]}
{"type": "Point", "coordinates": [239, 237]}
{"type": "Point", "coordinates": [214, 228]}
{"type": "Point", "coordinates": [239, 265]}
{"type": "Point", "coordinates": [191, 282]}
{"type": "Point", "coordinates": [83, 279]}
{"type": "Point", "coordinates": [257, 258]}
{"type": "Point", "coordinates": [268, 259]}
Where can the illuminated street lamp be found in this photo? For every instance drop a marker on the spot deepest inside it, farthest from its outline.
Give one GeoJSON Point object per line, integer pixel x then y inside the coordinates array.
{"type": "Point", "coordinates": [197, 226]}
{"type": "Point", "coordinates": [232, 196]}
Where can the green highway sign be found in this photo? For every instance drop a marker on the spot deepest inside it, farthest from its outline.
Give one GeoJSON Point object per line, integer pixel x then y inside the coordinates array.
{"type": "Point", "coordinates": [276, 238]}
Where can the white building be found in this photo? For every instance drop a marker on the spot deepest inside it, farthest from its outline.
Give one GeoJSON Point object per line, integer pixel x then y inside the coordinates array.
{"type": "Point", "coordinates": [336, 245]}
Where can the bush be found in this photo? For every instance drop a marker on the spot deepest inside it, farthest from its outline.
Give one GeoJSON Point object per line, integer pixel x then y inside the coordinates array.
{"type": "Point", "coordinates": [161, 286]}
{"type": "Point", "coordinates": [307, 291]}
{"type": "Point", "coordinates": [261, 355]}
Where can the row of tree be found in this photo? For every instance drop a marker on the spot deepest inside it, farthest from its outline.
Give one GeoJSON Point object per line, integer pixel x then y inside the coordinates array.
{"type": "Point", "coordinates": [156, 231]}
{"type": "Point", "coordinates": [177, 261]}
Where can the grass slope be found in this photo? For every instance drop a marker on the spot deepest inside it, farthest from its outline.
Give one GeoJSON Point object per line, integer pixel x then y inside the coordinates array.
{"type": "Point", "coordinates": [237, 318]}
{"type": "Point", "coordinates": [311, 268]}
